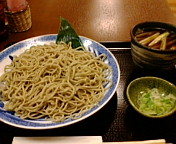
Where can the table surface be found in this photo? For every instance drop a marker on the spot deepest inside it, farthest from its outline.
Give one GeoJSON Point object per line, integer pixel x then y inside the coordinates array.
{"type": "Point", "coordinates": [109, 22]}
{"type": "Point", "coordinates": [101, 20]}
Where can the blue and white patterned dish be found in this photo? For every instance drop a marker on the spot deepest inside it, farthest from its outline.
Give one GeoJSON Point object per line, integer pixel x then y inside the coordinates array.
{"type": "Point", "coordinates": [20, 47]}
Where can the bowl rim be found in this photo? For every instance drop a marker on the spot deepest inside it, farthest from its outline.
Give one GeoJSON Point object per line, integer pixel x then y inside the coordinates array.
{"type": "Point", "coordinates": [154, 24]}
{"type": "Point", "coordinates": [137, 109]}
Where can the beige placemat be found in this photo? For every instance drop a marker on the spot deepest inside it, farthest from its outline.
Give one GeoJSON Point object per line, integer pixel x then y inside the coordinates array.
{"type": "Point", "coordinates": [58, 140]}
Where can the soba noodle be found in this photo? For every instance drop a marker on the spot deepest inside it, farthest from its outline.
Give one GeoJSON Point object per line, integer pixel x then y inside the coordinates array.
{"type": "Point", "coordinates": [54, 82]}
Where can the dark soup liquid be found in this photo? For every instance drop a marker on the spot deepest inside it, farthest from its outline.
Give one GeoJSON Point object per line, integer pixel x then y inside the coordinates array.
{"type": "Point", "coordinates": [157, 38]}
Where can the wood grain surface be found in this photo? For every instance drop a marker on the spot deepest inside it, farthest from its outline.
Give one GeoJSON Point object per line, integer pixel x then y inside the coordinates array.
{"type": "Point", "coordinates": [107, 20]}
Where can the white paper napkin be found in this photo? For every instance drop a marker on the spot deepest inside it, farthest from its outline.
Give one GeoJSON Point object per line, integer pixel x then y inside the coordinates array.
{"type": "Point", "coordinates": [58, 140]}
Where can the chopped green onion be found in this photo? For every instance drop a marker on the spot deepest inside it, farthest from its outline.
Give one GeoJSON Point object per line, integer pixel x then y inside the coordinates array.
{"type": "Point", "coordinates": [152, 102]}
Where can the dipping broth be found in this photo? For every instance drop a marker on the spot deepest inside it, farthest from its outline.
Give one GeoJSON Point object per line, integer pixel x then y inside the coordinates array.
{"type": "Point", "coordinates": [160, 39]}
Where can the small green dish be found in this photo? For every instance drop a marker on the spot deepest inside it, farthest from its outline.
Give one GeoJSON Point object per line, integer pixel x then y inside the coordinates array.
{"type": "Point", "coordinates": [149, 96]}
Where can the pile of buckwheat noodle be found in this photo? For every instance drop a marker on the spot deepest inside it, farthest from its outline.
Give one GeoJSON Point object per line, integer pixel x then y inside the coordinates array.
{"type": "Point", "coordinates": [54, 82]}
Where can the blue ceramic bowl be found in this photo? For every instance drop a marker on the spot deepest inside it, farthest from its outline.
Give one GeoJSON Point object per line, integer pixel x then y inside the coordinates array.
{"type": "Point", "coordinates": [90, 45]}
{"type": "Point", "coordinates": [150, 58]}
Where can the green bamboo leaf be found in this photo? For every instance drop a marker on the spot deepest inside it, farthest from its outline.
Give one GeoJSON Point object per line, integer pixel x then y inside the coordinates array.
{"type": "Point", "coordinates": [68, 34]}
